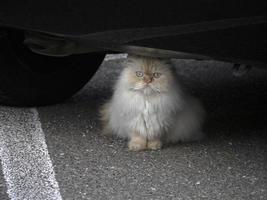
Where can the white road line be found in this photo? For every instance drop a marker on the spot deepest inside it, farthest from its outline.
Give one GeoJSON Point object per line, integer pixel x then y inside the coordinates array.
{"type": "Point", "coordinates": [26, 164]}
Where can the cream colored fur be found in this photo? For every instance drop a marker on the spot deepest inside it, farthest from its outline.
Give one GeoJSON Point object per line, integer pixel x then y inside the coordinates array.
{"type": "Point", "coordinates": [149, 114]}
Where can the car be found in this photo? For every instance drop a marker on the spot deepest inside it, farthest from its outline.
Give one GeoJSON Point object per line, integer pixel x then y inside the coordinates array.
{"type": "Point", "coordinates": [50, 49]}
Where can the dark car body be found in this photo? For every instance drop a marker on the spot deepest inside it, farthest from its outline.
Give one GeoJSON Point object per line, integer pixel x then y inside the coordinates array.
{"type": "Point", "coordinates": [223, 29]}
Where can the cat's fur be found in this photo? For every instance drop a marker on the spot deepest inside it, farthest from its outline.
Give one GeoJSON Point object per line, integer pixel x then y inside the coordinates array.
{"type": "Point", "coordinates": [153, 113]}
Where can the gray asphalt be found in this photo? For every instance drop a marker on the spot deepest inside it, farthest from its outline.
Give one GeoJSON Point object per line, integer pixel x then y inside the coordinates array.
{"type": "Point", "coordinates": [231, 163]}
{"type": "Point", "coordinates": [3, 188]}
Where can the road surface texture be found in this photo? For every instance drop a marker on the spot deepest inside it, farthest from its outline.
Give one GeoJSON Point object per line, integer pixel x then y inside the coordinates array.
{"type": "Point", "coordinates": [58, 152]}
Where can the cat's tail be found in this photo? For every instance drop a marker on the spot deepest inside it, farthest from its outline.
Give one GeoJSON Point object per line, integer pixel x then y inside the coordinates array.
{"type": "Point", "coordinates": [189, 123]}
{"type": "Point", "coordinates": [104, 117]}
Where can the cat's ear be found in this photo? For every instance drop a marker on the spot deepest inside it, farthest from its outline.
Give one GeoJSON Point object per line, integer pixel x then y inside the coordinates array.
{"type": "Point", "coordinates": [132, 58]}
{"type": "Point", "coordinates": [166, 61]}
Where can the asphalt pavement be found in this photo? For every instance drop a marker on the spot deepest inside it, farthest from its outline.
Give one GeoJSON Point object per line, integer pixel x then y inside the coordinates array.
{"type": "Point", "coordinates": [58, 152]}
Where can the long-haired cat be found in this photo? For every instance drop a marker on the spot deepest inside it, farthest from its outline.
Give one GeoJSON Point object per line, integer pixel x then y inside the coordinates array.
{"type": "Point", "coordinates": [150, 108]}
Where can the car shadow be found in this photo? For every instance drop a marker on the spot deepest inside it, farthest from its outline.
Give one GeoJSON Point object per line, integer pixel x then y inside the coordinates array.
{"type": "Point", "coordinates": [236, 107]}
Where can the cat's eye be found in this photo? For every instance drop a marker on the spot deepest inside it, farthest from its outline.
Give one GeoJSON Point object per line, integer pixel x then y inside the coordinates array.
{"type": "Point", "coordinates": [156, 74]}
{"type": "Point", "coordinates": [139, 74]}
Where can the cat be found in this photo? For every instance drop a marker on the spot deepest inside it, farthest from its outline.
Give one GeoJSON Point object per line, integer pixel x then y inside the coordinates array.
{"type": "Point", "coordinates": [150, 108]}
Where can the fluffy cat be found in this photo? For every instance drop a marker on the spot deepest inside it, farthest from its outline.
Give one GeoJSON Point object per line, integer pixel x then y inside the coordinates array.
{"type": "Point", "coordinates": [150, 108]}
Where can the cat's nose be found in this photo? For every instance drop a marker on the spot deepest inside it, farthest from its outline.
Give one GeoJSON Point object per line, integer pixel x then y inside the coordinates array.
{"type": "Point", "coordinates": [148, 80]}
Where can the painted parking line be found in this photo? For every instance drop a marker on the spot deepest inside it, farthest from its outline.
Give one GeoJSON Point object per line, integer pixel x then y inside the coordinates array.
{"type": "Point", "coordinates": [26, 164]}
{"type": "Point", "coordinates": [110, 57]}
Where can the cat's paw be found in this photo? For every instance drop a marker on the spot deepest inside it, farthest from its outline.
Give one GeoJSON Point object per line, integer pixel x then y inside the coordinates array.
{"type": "Point", "coordinates": [154, 144]}
{"type": "Point", "coordinates": [137, 145]}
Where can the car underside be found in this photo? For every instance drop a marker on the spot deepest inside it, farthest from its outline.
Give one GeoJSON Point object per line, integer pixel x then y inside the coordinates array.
{"type": "Point", "coordinates": [46, 35]}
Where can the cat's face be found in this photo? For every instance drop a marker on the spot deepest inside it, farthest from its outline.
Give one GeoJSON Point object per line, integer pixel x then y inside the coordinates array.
{"type": "Point", "coordinates": [148, 75]}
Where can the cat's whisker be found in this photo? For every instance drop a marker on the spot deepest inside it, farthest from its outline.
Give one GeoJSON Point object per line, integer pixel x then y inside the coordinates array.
{"type": "Point", "coordinates": [139, 86]}
{"type": "Point", "coordinates": [155, 89]}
